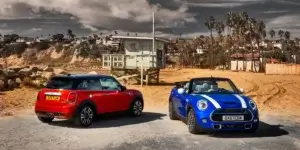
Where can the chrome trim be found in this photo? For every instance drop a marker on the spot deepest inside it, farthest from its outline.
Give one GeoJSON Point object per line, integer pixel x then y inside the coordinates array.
{"type": "Point", "coordinates": [210, 116]}
{"type": "Point", "coordinates": [53, 93]}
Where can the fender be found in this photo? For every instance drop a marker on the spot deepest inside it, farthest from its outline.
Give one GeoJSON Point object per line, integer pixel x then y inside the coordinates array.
{"type": "Point", "coordinates": [137, 97]}
{"type": "Point", "coordinates": [88, 102]}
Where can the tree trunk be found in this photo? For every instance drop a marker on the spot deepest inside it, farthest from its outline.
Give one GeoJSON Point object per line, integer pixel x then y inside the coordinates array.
{"type": "Point", "coordinates": [211, 51]}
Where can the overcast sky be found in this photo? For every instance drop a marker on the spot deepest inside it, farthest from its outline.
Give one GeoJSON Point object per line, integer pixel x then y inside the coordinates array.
{"type": "Point", "coordinates": [43, 17]}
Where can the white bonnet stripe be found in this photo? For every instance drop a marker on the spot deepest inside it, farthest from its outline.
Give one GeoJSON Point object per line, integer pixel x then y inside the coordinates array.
{"type": "Point", "coordinates": [244, 105]}
{"type": "Point", "coordinates": [214, 102]}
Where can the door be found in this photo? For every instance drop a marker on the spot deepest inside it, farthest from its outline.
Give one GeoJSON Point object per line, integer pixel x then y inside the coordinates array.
{"type": "Point", "coordinates": [119, 100]}
{"type": "Point", "coordinates": [91, 89]}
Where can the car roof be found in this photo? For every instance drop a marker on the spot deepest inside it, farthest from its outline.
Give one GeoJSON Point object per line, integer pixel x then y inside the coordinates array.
{"type": "Point", "coordinates": [81, 76]}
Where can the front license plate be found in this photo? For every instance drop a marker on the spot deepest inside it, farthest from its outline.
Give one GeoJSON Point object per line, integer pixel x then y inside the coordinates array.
{"type": "Point", "coordinates": [52, 97]}
{"type": "Point", "coordinates": [233, 118]}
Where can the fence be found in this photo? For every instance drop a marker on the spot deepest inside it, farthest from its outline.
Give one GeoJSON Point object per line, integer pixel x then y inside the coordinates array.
{"type": "Point", "coordinates": [283, 69]}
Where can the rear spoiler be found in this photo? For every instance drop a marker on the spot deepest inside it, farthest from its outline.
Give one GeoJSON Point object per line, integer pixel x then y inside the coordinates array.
{"type": "Point", "coordinates": [180, 84]}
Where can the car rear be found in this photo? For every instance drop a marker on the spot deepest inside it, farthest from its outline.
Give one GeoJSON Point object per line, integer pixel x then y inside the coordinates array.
{"type": "Point", "coordinates": [57, 99]}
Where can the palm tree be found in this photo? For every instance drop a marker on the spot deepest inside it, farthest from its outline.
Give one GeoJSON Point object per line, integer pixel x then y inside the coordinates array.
{"type": "Point", "coordinates": [287, 36]}
{"type": "Point", "coordinates": [220, 27]}
{"type": "Point", "coordinates": [260, 34]}
{"type": "Point", "coordinates": [116, 32]}
{"type": "Point", "coordinates": [250, 34]}
{"type": "Point", "coordinates": [229, 23]}
{"type": "Point", "coordinates": [210, 23]}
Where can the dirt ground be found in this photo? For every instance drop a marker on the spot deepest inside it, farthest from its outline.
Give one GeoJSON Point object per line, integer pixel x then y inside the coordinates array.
{"type": "Point", "coordinates": [274, 94]}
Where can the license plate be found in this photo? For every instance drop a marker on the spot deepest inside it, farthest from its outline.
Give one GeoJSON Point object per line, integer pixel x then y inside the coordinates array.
{"type": "Point", "coordinates": [52, 97]}
{"type": "Point", "coordinates": [233, 118]}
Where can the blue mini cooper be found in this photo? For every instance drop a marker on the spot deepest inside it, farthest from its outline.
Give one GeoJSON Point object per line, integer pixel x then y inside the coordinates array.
{"type": "Point", "coordinates": [212, 104]}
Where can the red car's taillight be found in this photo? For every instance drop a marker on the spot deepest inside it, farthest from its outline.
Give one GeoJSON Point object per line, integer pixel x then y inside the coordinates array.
{"type": "Point", "coordinates": [72, 98]}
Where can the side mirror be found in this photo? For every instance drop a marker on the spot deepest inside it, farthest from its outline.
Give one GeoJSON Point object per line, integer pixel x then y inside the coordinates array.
{"type": "Point", "coordinates": [242, 90]}
{"type": "Point", "coordinates": [180, 90]}
{"type": "Point", "coordinates": [123, 88]}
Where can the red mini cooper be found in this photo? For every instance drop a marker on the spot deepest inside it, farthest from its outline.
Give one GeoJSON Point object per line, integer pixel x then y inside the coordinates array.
{"type": "Point", "coordinates": [80, 98]}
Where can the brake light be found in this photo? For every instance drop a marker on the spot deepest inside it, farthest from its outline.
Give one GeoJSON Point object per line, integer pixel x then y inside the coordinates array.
{"type": "Point", "coordinates": [72, 98]}
{"type": "Point", "coordinates": [38, 96]}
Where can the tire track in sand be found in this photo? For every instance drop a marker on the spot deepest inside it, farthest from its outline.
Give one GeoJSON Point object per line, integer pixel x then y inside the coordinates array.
{"type": "Point", "coordinates": [254, 88]}
{"type": "Point", "coordinates": [280, 92]}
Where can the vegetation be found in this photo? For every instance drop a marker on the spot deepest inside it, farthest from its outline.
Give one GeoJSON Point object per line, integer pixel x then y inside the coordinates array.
{"type": "Point", "coordinates": [244, 34]}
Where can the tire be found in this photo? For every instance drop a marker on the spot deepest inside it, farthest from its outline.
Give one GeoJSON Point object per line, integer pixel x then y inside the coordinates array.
{"type": "Point", "coordinates": [192, 122]}
{"type": "Point", "coordinates": [136, 108]}
{"type": "Point", "coordinates": [45, 119]}
{"type": "Point", "coordinates": [172, 114]}
{"type": "Point", "coordinates": [84, 117]}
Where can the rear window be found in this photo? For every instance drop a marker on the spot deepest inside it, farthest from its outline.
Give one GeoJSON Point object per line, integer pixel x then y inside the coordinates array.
{"type": "Point", "coordinates": [60, 83]}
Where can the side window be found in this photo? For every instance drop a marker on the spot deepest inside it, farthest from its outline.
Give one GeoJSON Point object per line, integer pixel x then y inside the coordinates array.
{"type": "Point", "coordinates": [90, 84]}
{"type": "Point", "coordinates": [109, 83]}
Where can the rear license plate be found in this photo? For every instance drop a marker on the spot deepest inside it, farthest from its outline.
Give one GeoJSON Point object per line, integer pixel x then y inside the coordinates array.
{"type": "Point", "coordinates": [233, 118]}
{"type": "Point", "coordinates": [52, 97]}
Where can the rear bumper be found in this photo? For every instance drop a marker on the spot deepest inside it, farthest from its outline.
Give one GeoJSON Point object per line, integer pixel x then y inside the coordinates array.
{"type": "Point", "coordinates": [61, 112]}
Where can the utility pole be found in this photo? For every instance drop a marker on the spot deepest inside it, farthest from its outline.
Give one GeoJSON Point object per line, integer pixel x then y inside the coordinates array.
{"type": "Point", "coordinates": [153, 42]}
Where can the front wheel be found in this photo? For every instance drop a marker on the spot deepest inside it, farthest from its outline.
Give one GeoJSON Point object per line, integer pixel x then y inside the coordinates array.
{"type": "Point", "coordinates": [136, 108]}
{"type": "Point", "coordinates": [172, 114]}
{"type": "Point", "coordinates": [45, 119]}
{"type": "Point", "coordinates": [192, 123]}
{"type": "Point", "coordinates": [84, 116]}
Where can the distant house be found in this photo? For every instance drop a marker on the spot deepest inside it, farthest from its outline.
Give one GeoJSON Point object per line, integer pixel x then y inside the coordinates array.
{"type": "Point", "coordinates": [138, 52]}
{"type": "Point", "coordinates": [244, 61]}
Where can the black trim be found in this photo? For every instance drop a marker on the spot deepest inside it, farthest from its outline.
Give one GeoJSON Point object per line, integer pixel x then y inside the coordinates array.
{"type": "Point", "coordinates": [180, 84]}
{"type": "Point", "coordinates": [89, 102]}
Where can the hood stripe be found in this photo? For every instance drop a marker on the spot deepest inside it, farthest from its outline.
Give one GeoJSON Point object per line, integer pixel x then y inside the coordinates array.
{"type": "Point", "coordinates": [214, 102]}
{"type": "Point", "coordinates": [244, 105]}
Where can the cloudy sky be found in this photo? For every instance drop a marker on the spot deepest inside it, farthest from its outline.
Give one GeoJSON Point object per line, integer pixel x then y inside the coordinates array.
{"type": "Point", "coordinates": [84, 17]}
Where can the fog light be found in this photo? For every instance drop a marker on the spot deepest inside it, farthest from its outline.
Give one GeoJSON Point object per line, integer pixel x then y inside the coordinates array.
{"type": "Point", "coordinates": [204, 120]}
{"type": "Point", "coordinates": [255, 120]}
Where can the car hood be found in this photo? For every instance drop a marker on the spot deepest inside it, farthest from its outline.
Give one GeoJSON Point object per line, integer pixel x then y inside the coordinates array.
{"type": "Point", "coordinates": [225, 100]}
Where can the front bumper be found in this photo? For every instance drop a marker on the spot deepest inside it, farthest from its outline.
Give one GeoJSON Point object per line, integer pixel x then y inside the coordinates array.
{"type": "Point", "coordinates": [205, 123]}
{"type": "Point", "coordinates": [60, 112]}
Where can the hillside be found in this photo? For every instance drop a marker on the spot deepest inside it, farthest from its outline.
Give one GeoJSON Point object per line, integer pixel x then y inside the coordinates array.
{"type": "Point", "coordinates": [48, 53]}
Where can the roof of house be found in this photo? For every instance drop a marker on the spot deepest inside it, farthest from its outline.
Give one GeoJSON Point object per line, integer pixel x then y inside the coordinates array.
{"type": "Point", "coordinates": [140, 38]}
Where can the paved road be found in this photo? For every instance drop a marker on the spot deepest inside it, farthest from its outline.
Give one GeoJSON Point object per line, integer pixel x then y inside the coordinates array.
{"type": "Point", "coordinates": [150, 131]}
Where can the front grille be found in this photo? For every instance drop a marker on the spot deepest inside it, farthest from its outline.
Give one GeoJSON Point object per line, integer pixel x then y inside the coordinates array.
{"type": "Point", "coordinates": [219, 113]}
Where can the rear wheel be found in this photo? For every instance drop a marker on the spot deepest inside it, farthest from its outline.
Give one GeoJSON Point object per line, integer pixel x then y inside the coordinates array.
{"type": "Point", "coordinates": [84, 116]}
{"type": "Point", "coordinates": [172, 114]}
{"type": "Point", "coordinates": [45, 119]}
{"type": "Point", "coordinates": [136, 108]}
{"type": "Point", "coordinates": [192, 122]}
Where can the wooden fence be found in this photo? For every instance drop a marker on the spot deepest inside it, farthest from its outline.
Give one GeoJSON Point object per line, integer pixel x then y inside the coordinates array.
{"type": "Point", "coordinates": [283, 69]}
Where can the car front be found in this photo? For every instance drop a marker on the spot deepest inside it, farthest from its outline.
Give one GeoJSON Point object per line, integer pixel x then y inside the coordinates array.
{"type": "Point", "coordinates": [224, 110]}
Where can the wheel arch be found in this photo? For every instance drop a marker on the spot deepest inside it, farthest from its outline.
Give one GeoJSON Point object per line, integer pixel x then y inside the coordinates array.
{"type": "Point", "coordinates": [90, 103]}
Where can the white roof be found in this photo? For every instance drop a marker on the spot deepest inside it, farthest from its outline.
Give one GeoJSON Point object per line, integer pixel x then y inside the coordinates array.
{"type": "Point", "coordinates": [139, 38]}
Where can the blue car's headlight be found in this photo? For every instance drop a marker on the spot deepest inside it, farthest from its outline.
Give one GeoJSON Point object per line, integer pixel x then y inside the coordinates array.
{"type": "Point", "coordinates": [202, 104]}
{"type": "Point", "coordinates": [252, 104]}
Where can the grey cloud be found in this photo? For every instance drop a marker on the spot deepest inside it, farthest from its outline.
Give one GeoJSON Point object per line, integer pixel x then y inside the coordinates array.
{"type": "Point", "coordinates": [173, 17]}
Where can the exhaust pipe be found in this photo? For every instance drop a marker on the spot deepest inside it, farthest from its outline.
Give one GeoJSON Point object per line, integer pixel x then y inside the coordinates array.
{"type": "Point", "coordinates": [217, 126]}
{"type": "Point", "coordinates": [248, 126]}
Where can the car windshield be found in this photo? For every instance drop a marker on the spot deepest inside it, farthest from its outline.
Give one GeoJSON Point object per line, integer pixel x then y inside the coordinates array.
{"type": "Point", "coordinates": [60, 83]}
{"type": "Point", "coordinates": [213, 86]}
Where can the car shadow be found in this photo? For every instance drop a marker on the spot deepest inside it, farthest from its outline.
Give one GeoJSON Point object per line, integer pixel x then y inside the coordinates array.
{"type": "Point", "coordinates": [264, 130]}
{"type": "Point", "coordinates": [113, 120]}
